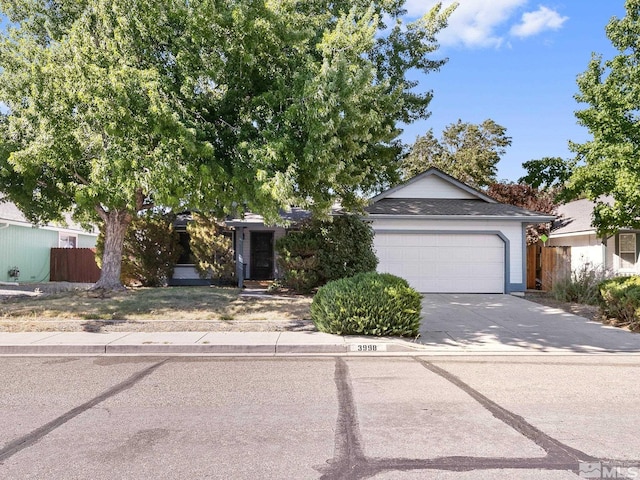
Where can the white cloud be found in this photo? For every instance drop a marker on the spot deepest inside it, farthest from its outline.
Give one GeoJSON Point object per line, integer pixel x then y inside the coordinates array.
{"type": "Point", "coordinates": [474, 23]}
{"type": "Point", "coordinates": [533, 23]}
{"type": "Point", "coordinates": [485, 23]}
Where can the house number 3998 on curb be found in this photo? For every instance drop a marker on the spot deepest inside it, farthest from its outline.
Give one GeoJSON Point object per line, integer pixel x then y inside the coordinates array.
{"type": "Point", "coordinates": [368, 347]}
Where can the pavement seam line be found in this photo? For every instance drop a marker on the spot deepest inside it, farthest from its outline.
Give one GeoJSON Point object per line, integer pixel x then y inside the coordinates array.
{"type": "Point", "coordinates": [54, 334]}
{"type": "Point", "coordinates": [277, 343]}
{"type": "Point", "coordinates": [348, 450]}
{"type": "Point", "coordinates": [554, 448]}
{"type": "Point", "coordinates": [36, 435]}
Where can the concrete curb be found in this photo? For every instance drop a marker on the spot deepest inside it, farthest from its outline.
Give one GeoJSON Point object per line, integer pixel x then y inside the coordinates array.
{"type": "Point", "coordinates": [258, 344]}
{"type": "Point", "coordinates": [200, 343]}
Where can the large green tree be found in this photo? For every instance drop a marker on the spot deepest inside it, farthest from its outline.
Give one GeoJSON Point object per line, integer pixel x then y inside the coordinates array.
{"type": "Point", "coordinates": [119, 105]}
{"type": "Point", "coordinates": [466, 151]}
{"type": "Point", "coordinates": [609, 163]}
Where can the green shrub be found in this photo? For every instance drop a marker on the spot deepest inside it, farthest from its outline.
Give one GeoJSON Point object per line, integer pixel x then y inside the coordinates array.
{"type": "Point", "coordinates": [212, 249]}
{"type": "Point", "coordinates": [582, 286]}
{"type": "Point", "coordinates": [367, 304]}
{"type": "Point", "coordinates": [346, 248]}
{"type": "Point", "coordinates": [298, 260]}
{"type": "Point", "coordinates": [324, 250]}
{"type": "Point", "coordinates": [621, 300]}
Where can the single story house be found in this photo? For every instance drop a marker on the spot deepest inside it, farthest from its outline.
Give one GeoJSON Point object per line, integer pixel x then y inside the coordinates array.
{"type": "Point", "coordinates": [617, 253]}
{"type": "Point", "coordinates": [25, 249]}
{"type": "Point", "coordinates": [443, 236]}
{"type": "Point", "coordinates": [433, 230]}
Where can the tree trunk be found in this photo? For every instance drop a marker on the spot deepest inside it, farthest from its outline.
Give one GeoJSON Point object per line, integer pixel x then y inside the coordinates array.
{"type": "Point", "coordinates": [116, 223]}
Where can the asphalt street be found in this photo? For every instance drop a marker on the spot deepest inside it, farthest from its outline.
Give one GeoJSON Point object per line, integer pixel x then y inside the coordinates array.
{"type": "Point", "coordinates": [460, 417]}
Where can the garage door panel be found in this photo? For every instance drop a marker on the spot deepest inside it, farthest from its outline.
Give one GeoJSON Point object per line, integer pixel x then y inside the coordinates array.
{"type": "Point", "coordinates": [452, 263]}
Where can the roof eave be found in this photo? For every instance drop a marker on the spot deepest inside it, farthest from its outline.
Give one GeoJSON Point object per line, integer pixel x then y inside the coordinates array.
{"type": "Point", "coordinates": [48, 227]}
{"type": "Point", "coordinates": [571, 234]}
{"type": "Point", "coordinates": [243, 223]}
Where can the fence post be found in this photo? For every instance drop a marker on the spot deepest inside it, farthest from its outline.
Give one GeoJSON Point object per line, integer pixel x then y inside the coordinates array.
{"type": "Point", "coordinates": [532, 265]}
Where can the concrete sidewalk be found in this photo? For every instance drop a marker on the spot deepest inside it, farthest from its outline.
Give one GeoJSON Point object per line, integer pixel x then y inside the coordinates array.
{"type": "Point", "coordinates": [200, 343]}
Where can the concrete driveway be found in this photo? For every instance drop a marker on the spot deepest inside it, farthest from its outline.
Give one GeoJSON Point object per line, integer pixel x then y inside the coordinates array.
{"type": "Point", "coordinates": [504, 323]}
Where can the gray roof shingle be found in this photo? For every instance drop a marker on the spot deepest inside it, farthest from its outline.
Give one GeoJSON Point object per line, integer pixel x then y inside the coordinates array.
{"type": "Point", "coordinates": [448, 207]}
{"type": "Point", "coordinates": [576, 216]}
{"type": "Point", "coordinates": [8, 211]}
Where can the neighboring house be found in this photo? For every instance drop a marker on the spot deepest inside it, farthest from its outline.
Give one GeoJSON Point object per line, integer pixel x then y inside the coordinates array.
{"type": "Point", "coordinates": [446, 237]}
{"type": "Point", "coordinates": [617, 253]}
{"type": "Point", "coordinates": [253, 244]}
{"type": "Point", "coordinates": [26, 249]}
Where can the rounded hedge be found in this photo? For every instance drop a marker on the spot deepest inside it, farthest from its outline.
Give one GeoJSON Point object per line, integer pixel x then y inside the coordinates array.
{"type": "Point", "coordinates": [367, 304]}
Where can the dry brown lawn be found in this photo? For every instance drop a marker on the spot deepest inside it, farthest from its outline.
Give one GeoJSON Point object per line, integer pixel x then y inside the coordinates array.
{"type": "Point", "coordinates": [155, 309]}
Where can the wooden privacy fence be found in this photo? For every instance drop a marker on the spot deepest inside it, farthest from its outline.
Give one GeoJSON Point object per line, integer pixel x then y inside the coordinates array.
{"type": "Point", "coordinates": [546, 265]}
{"type": "Point", "coordinates": [74, 265]}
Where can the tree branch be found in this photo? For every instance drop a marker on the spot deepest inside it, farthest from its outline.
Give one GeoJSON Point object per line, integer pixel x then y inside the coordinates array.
{"type": "Point", "coordinates": [80, 178]}
{"type": "Point", "coordinates": [142, 202]}
{"type": "Point", "coordinates": [101, 212]}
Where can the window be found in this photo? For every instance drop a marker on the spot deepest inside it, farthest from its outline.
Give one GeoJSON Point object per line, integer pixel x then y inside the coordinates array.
{"type": "Point", "coordinates": [66, 240]}
{"type": "Point", "coordinates": [627, 250]}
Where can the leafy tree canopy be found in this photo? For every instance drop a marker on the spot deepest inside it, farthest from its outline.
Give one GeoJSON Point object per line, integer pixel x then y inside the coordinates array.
{"type": "Point", "coordinates": [547, 173]}
{"type": "Point", "coordinates": [119, 105]}
{"type": "Point", "coordinates": [211, 248]}
{"type": "Point", "coordinates": [609, 161]}
{"type": "Point", "coordinates": [466, 151]}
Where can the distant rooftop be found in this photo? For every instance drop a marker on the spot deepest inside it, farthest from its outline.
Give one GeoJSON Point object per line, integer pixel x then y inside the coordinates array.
{"type": "Point", "coordinates": [293, 215]}
{"type": "Point", "coordinates": [9, 212]}
{"type": "Point", "coordinates": [575, 217]}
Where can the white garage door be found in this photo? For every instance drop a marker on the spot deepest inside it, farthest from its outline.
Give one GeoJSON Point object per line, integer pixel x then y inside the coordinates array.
{"type": "Point", "coordinates": [443, 263]}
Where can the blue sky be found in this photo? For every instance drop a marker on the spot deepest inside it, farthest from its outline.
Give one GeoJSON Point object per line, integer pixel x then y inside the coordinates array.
{"type": "Point", "coordinates": [516, 62]}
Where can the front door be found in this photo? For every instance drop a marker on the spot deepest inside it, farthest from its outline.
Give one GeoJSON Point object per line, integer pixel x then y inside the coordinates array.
{"type": "Point", "coordinates": [261, 255]}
